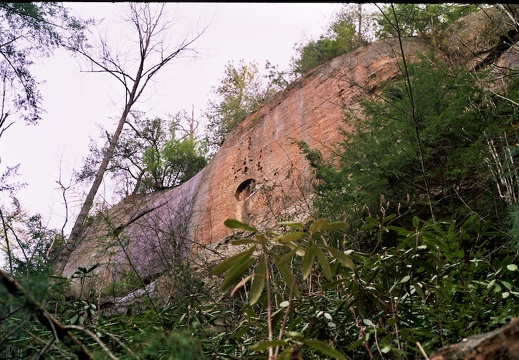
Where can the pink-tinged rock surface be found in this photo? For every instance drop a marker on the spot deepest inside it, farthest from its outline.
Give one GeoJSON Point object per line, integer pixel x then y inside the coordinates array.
{"type": "Point", "coordinates": [258, 176]}
{"type": "Point", "coordinates": [261, 150]}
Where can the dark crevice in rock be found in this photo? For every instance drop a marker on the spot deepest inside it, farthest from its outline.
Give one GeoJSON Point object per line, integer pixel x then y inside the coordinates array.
{"type": "Point", "coordinates": [119, 229]}
{"type": "Point", "coordinates": [505, 43]}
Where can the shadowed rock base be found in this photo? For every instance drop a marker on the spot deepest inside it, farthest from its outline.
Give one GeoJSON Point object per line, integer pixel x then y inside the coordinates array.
{"type": "Point", "coordinates": [501, 344]}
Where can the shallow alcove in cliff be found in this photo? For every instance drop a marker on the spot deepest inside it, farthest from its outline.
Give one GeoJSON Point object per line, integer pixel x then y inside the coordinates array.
{"type": "Point", "coordinates": [310, 110]}
{"type": "Point", "coordinates": [245, 189]}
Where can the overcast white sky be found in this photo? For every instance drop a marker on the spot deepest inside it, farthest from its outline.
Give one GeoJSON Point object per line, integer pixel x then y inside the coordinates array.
{"type": "Point", "coordinates": [76, 101]}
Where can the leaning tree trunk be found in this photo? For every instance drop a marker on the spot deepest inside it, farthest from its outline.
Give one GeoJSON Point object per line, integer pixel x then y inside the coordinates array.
{"type": "Point", "coordinates": [75, 235]}
{"type": "Point", "coordinates": [77, 229]}
{"type": "Point", "coordinates": [149, 30]}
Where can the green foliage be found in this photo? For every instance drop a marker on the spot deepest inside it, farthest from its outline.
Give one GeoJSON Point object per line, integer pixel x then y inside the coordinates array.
{"type": "Point", "coordinates": [434, 146]}
{"type": "Point", "coordinates": [239, 93]}
{"type": "Point", "coordinates": [29, 31]}
{"type": "Point", "coordinates": [419, 20]}
{"type": "Point", "coordinates": [174, 164]}
{"type": "Point", "coordinates": [278, 79]}
{"type": "Point", "coordinates": [349, 30]}
{"type": "Point", "coordinates": [146, 334]}
{"type": "Point", "coordinates": [315, 53]}
{"type": "Point", "coordinates": [128, 281]}
{"type": "Point", "coordinates": [435, 284]}
{"type": "Point", "coordinates": [24, 240]}
{"type": "Point", "coordinates": [421, 148]}
{"type": "Point", "coordinates": [272, 258]}
{"type": "Point", "coordinates": [21, 335]}
{"type": "Point", "coordinates": [150, 155]}
{"type": "Point", "coordinates": [172, 346]}
{"type": "Point", "coordinates": [356, 25]}
{"type": "Point", "coordinates": [83, 312]}
{"type": "Point", "coordinates": [300, 292]}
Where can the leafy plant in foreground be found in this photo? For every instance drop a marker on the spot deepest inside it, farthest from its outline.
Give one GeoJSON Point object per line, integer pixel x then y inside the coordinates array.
{"type": "Point", "coordinates": [302, 246]}
{"type": "Point", "coordinates": [427, 287]}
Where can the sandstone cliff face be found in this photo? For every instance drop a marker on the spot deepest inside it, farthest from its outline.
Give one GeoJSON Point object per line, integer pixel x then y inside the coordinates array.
{"type": "Point", "coordinates": [481, 38]}
{"type": "Point", "coordinates": [258, 176]}
{"type": "Point", "coordinates": [261, 150]}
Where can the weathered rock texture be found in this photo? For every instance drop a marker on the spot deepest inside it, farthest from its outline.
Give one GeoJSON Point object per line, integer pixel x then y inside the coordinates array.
{"type": "Point", "coordinates": [481, 38]}
{"type": "Point", "coordinates": [501, 344]}
{"type": "Point", "coordinates": [259, 175]}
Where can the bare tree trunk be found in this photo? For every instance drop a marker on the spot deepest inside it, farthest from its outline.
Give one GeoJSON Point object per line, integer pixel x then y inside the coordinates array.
{"type": "Point", "coordinates": [148, 25]}
{"type": "Point", "coordinates": [77, 229]}
{"type": "Point", "coordinates": [359, 18]}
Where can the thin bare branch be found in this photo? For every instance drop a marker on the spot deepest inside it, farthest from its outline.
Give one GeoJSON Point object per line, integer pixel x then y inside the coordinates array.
{"type": "Point", "coordinates": [148, 27]}
{"type": "Point", "coordinates": [46, 319]}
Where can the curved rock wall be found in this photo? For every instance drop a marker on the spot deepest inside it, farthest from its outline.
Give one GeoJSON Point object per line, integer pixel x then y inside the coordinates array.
{"type": "Point", "coordinates": [258, 176]}
{"type": "Point", "coordinates": [261, 149]}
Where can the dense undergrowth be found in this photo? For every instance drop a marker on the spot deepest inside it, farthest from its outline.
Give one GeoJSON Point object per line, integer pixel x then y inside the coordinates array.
{"type": "Point", "coordinates": [308, 294]}
{"type": "Point", "coordinates": [413, 246]}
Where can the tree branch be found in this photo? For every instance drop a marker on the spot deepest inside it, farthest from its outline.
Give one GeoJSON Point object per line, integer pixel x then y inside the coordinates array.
{"type": "Point", "coordinates": [45, 318]}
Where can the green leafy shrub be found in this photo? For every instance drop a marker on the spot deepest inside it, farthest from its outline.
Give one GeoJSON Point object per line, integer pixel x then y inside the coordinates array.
{"type": "Point", "coordinates": [172, 346]}
{"type": "Point", "coordinates": [420, 149]}
{"type": "Point", "coordinates": [431, 285]}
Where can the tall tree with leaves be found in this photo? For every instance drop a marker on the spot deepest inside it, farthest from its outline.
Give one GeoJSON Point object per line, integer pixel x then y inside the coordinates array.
{"type": "Point", "coordinates": [349, 30]}
{"type": "Point", "coordinates": [425, 21]}
{"type": "Point", "coordinates": [172, 165]}
{"type": "Point", "coordinates": [152, 154]}
{"type": "Point", "coordinates": [240, 92]}
{"type": "Point", "coordinates": [151, 26]}
{"type": "Point", "coordinates": [29, 31]}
